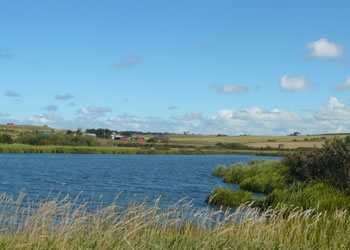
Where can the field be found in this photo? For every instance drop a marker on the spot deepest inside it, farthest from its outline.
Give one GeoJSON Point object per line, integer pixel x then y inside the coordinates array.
{"type": "Point", "coordinates": [179, 143]}
{"type": "Point", "coordinates": [255, 141]}
{"type": "Point", "coordinates": [16, 130]}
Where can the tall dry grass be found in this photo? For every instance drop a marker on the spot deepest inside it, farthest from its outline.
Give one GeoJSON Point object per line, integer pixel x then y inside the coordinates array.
{"type": "Point", "coordinates": [64, 224]}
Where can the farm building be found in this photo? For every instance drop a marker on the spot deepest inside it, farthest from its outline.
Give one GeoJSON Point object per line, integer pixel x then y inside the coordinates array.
{"type": "Point", "coordinates": [10, 124]}
{"type": "Point", "coordinates": [139, 138]}
{"type": "Point", "coordinates": [120, 138]}
{"type": "Point", "coordinates": [162, 138]}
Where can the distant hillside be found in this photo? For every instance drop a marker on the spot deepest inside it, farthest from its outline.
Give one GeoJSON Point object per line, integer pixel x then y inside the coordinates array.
{"type": "Point", "coordinates": [16, 130]}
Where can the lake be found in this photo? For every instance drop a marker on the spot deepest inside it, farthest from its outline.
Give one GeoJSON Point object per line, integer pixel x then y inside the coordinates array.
{"type": "Point", "coordinates": [133, 177]}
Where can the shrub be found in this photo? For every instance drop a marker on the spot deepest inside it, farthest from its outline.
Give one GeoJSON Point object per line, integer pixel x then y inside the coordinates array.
{"type": "Point", "coordinates": [331, 163]}
{"type": "Point", "coordinates": [152, 140]}
{"type": "Point", "coordinates": [5, 138]}
{"type": "Point", "coordinates": [232, 145]}
{"type": "Point", "coordinates": [64, 140]}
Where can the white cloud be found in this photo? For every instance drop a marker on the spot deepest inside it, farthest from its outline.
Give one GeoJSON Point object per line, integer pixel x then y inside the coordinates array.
{"type": "Point", "coordinates": [294, 83]}
{"type": "Point", "coordinates": [252, 121]}
{"type": "Point", "coordinates": [172, 107]}
{"type": "Point", "coordinates": [324, 49]}
{"type": "Point", "coordinates": [11, 93]}
{"type": "Point", "coordinates": [190, 116]}
{"type": "Point", "coordinates": [47, 118]}
{"type": "Point", "coordinates": [51, 108]}
{"type": "Point", "coordinates": [127, 62]}
{"type": "Point", "coordinates": [344, 85]}
{"type": "Point", "coordinates": [64, 97]}
{"type": "Point", "coordinates": [5, 54]}
{"type": "Point", "coordinates": [94, 111]}
{"type": "Point", "coordinates": [228, 89]}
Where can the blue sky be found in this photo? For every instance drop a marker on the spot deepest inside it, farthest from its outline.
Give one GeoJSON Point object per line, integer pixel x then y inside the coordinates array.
{"type": "Point", "coordinates": [234, 67]}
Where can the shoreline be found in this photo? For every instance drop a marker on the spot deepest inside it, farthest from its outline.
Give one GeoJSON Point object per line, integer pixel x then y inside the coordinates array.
{"type": "Point", "coordinates": [53, 149]}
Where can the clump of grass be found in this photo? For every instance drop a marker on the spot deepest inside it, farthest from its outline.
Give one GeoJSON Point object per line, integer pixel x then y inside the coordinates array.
{"type": "Point", "coordinates": [220, 171]}
{"type": "Point", "coordinates": [64, 224]}
{"type": "Point", "coordinates": [261, 176]}
{"type": "Point", "coordinates": [272, 178]}
{"type": "Point", "coordinates": [318, 195]}
{"type": "Point", "coordinates": [225, 196]}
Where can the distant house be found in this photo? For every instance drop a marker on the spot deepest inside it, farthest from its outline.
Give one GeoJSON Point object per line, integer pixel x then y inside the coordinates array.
{"type": "Point", "coordinates": [10, 124]}
{"type": "Point", "coordinates": [139, 138]}
{"type": "Point", "coordinates": [120, 138]}
{"type": "Point", "coordinates": [162, 138]}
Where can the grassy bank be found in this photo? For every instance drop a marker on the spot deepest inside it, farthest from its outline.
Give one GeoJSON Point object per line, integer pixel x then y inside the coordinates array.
{"type": "Point", "coordinates": [22, 148]}
{"type": "Point", "coordinates": [61, 224]}
{"type": "Point", "coordinates": [317, 179]}
{"type": "Point", "coordinates": [271, 177]}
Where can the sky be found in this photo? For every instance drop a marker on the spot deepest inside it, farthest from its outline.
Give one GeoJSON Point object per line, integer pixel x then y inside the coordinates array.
{"type": "Point", "coordinates": [206, 67]}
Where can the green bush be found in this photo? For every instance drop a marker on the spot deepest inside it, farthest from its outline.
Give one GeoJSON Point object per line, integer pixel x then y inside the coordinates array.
{"type": "Point", "coordinates": [331, 164]}
{"type": "Point", "coordinates": [232, 145]}
{"type": "Point", "coordinates": [5, 138]}
{"type": "Point", "coordinates": [152, 140]}
{"type": "Point", "coordinates": [63, 140]}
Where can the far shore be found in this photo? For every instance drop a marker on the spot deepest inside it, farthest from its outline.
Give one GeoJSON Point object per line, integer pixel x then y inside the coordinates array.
{"type": "Point", "coordinates": [56, 149]}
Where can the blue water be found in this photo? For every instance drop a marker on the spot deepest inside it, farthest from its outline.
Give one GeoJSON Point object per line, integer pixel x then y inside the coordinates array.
{"type": "Point", "coordinates": [170, 177]}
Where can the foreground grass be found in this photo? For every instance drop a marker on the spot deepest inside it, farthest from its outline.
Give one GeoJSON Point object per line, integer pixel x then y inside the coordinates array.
{"type": "Point", "coordinates": [63, 224]}
{"type": "Point", "coordinates": [270, 177]}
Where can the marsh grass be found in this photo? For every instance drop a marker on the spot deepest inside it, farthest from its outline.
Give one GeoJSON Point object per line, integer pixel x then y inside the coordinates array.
{"type": "Point", "coordinates": [271, 177]}
{"type": "Point", "coordinates": [262, 176]}
{"type": "Point", "coordinates": [63, 224]}
{"type": "Point", "coordinates": [227, 197]}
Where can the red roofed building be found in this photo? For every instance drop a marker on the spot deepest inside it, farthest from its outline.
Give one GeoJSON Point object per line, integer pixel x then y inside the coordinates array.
{"type": "Point", "coordinates": [162, 138]}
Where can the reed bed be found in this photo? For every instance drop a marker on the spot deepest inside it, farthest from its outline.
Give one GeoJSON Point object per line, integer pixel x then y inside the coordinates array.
{"type": "Point", "coordinates": [66, 224]}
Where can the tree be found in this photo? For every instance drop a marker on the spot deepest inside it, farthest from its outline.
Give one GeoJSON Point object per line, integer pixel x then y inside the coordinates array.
{"type": "Point", "coordinates": [5, 138]}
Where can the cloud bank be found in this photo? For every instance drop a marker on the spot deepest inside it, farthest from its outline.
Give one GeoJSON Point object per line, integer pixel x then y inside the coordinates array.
{"type": "Point", "coordinates": [332, 117]}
